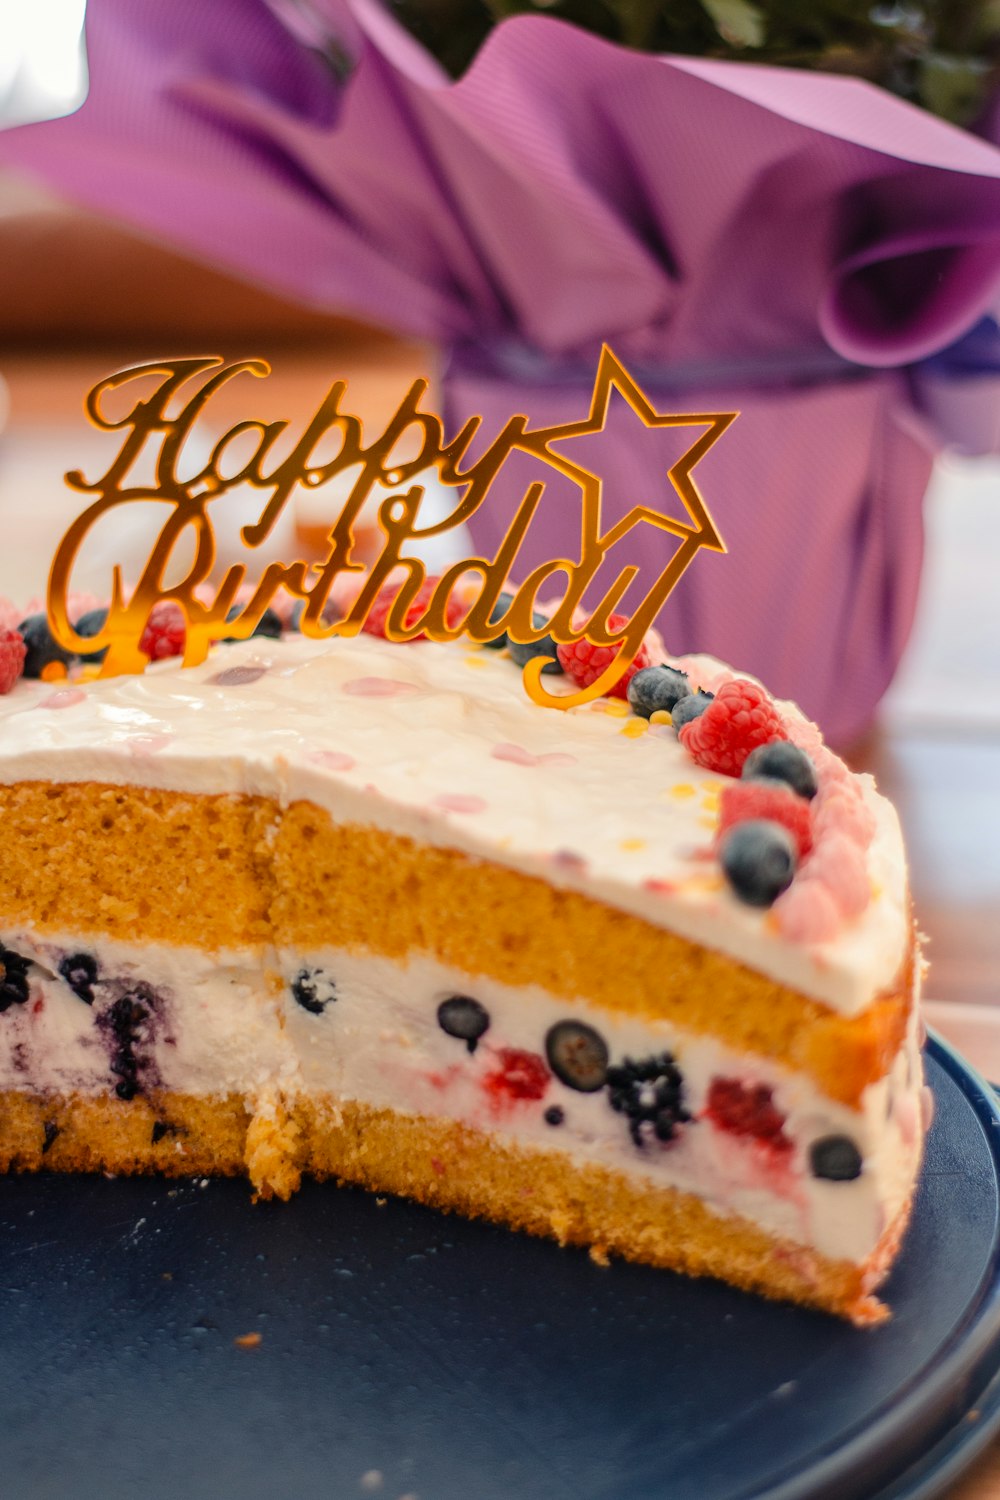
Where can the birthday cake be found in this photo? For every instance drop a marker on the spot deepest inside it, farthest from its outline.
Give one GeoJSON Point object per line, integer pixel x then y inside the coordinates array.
{"type": "Point", "coordinates": [639, 975]}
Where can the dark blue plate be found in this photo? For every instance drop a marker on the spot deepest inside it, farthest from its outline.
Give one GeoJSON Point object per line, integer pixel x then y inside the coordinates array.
{"type": "Point", "coordinates": [407, 1354]}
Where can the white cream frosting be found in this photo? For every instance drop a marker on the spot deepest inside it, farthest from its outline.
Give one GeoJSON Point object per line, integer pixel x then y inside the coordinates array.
{"type": "Point", "coordinates": [224, 1024]}
{"type": "Point", "coordinates": [441, 742]}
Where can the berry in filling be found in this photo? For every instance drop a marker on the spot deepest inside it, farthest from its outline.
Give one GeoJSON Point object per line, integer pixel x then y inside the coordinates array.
{"type": "Point", "coordinates": [462, 1017]}
{"type": "Point", "coordinates": [650, 1093]}
{"type": "Point", "coordinates": [577, 1055]}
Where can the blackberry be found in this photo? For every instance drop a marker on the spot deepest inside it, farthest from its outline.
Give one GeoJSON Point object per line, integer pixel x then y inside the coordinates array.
{"type": "Point", "coordinates": [835, 1158]}
{"type": "Point", "coordinates": [269, 623]}
{"type": "Point", "coordinates": [313, 990]}
{"type": "Point", "coordinates": [124, 1025]}
{"type": "Point", "coordinates": [521, 652]}
{"type": "Point", "coordinates": [42, 648]}
{"type": "Point", "coordinates": [462, 1017]}
{"type": "Point", "coordinates": [90, 624]}
{"type": "Point", "coordinates": [758, 859]}
{"type": "Point", "coordinates": [503, 604]}
{"type": "Point", "coordinates": [691, 707]}
{"type": "Point", "coordinates": [782, 761]}
{"type": "Point", "coordinates": [577, 1055]}
{"type": "Point", "coordinates": [650, 1093]}
{"type": "Point", "coordinates": [80, 972]}
{"type": "Point", "coordinates": [13, 978]}
{"type": "Point", "coordinates": [656, 688]}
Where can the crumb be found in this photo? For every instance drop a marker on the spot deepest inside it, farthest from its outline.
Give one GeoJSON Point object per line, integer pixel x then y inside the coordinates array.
{"type": "Point", "coordinates": [381, 1202]}
{"type": "Point", "coordinates": [166, 1275]}
{"type": "Point", "coordinates": [248, 1340]}
{"type": "Point", "coordinates": [599, 1255]}
{"type": "Point", "coordinates": [371, 1481]}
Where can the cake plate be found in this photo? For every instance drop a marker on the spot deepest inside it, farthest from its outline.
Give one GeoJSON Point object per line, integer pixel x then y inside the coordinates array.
{"type": "Point", "coordinates": [402, 1353]}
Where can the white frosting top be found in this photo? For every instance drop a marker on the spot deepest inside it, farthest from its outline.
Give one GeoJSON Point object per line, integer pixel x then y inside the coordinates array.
{"type": "Point", "coordinates": [442, 743]}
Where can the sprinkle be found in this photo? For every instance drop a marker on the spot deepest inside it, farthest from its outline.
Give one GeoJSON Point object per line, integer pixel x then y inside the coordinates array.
{"type": "Point", "coordinates": [479, 662]}
{"type": "Point", "coordinates": [333, 760]}
{"type": "Point", "coordinates": [456, 802]}
{"type": "Point", "coordinates": [378, 687]}
{"type": "Point", "coordinates": [706, 884]}
{"type": "Point", "coordinates": [660, 716]}
{"type": "Point", "coordinates": [238, 676]}
{"type": "Point", "coordinates": [518, 756]}
{"type": "Point", "coordinates": [707, 822]}
{"type": "Point", "coordinates": [616, 708]}
{"type": "Point", "coordinates": [568, 859]}
{"type": "Point", "coordinates": [146, 744]}
{"type": "Point", "coordinates": [634, 728]}
{"type": "Point", "coordinates": [681, 790]}
{"type": "Point", "coordinates": [660, 887]}
{"type": "Point", "coordinates": [66, 698]}
{"type": "Point", "coordinates": [248, 1340]}
{"type": "Point", "coordinates": [631, 846]}
{"type": "Point", "coordinates": [53, 671]}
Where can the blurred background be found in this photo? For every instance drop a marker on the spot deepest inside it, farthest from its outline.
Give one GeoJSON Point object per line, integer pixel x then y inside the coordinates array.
{"type": "Point", "coordinates": [82, 295]}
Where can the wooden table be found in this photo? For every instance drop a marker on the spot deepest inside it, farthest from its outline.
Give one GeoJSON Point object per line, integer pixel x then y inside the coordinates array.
{"type": "Point", "coordinates": [937, 752]}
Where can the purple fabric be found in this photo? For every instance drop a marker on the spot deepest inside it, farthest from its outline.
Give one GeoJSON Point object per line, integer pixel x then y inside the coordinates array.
{"type": "Point", "coordinates": [741, 234]}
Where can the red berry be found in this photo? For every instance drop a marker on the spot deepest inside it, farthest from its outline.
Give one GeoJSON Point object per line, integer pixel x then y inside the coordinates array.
{"type": "Point", "coordinates": [518, 1075]}
{"type": "Point", "coordinates": [386, 598]}
{"type": "Point", "coordinates": [12, 654]}
{"type": "Point", "coordinates": [746, 1109]}
{"type": "Point", "coordinates": [165, 632]}
{"type": "Point", "coordinates": [740, 717]}
{"type": "Point", "coordinates": [773, 800]}
{"type": "Point", "coordinates": [584, 662]}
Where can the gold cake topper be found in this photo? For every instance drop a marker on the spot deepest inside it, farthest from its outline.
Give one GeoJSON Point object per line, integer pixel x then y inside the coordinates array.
{"type": "Point", "coordinates": [398, 518]}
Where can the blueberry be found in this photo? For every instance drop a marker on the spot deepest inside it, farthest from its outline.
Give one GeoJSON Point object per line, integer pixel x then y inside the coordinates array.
{"type": "Point", "coordinates": [13, 979]}
{"type": "Point", "coordinates": [160, 1129]}
{"type": "Point", "coordinates": [42, 650]}
{"type": "Point", "coordinates": [123, 1025]}
{"type": "Point", "coordinates": [503, 604]}
{"type": "Point", "coordinates": [522, 654]}
{"type": "Point", "coordinates": [758, 858]}
{"type": "Point", "coordinates": [782, 761]}
{"type": "Point", "coordinates": [91, 624]}
{"type": "Point", "coordinates": [649, 1092]}
{"type": "Point", "coordinates": [835, 1158]}
{"type": "Point", "coordinates": [313, 990]}
{"type": "Point", "coordinates": [655, 688]}
{"type": "Point", "coordinates": [554, 1115]}
{"type": "Point", "coordinates": [464, 1018]}
{"type": "Point", "coordinates": [80, 972]}
{"type": "Point", "coordinates": [691, 707]}
{"type": "Point", "coordinates": [49, 1132]}
{"type": "Point", "coordinates": [269, 623]}
{"type": "Point", "coordinates": [577, 1055]}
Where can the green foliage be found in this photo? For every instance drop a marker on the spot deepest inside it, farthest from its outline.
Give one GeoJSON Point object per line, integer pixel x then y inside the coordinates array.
{"type": "Point", "coordinates": [942, 54]}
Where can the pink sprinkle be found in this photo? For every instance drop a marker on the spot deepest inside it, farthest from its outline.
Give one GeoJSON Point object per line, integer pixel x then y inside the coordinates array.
{"type": "Point", "coordinates": [333, 760]}
{"type": "Point", "coordinates": [238, 676]}
{"type": "Point", "coordinates": [660, 887]}
{"type": "Point", "coordinates": [458, 803]}
{"type": "Point", "coordinates": [378, 687]}
{"type": "Point", "coordinates": [147, 744]}
{"type": "Point", "coordinates": [568, 859]}
{"type": "Point", "coordinates": [516, 754]}
{"type": "Point", "coordinates": [806, 913]}
{"type": "Point", "coordinates": [65, 698]}
{"type": "Point", "coordinates": [557, 758]}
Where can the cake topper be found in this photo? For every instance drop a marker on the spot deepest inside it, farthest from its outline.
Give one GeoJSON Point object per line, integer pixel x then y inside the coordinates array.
{"type": "Point", "coordinates": [191, 499]}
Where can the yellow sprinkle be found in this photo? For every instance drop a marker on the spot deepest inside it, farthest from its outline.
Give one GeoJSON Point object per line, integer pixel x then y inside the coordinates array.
{"type": "Point", "coordinates": [876, 890]}
{"type": "Point", "coordinates": [660, 716]}
{"type": "Point", "coordinates": [634, 728]}
{"type": "Point", "coordinates": [772, 924]}
{"type": "Point", "coordinates": [475, 661]}
{"type": "Point", "coordinates": [682, 790]}
{"type": "Point", "coordinates": [631, 846]}
{"type": "Point", "coordinates": [616, 708]}
{"type": "Point", "coordinates": [714, 787]}
{"type": "Point", "coordinates": [706, 883]}
{"type": "Point", "coordinates": [706, 821]}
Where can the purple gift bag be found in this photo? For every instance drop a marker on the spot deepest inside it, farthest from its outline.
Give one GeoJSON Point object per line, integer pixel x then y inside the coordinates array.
{"type": "Point", "coordinates": [788, 243]}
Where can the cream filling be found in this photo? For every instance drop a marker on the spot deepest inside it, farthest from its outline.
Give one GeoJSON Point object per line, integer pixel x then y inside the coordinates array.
{"type": "Point", "coordinates": [442, 744]}
{"type": "Point", "coordinates": [230, 1024]}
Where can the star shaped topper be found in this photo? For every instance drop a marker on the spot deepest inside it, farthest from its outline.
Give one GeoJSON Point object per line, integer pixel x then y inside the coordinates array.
{"type": "Point", "coordinates": [440, 609]}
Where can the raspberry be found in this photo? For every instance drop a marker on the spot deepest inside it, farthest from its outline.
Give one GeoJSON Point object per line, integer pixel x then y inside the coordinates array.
{"type": "Point", "coordinates": [165, 632]}
{"type": "Point", "coordinates": [746, 1109]}
{"type": "Point", "coordinates": [740, 717]}
{"type": "Point", "coordinates": [840, 865]}
{"type": "Point", "coordinates": [769, 799]}
{"type": "Point", "coordinates": [12, 654]}
{"type": "Point", "coordinates": [585, 662]}
{"type": "Point", "coordinates": [519, 1075]}
{"type": "Point", "coordinates": [386, 598]}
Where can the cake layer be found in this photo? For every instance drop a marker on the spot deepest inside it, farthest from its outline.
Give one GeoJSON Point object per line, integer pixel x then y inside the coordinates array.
{"type": "Point", "coordinates": [447, 1166]}
{"type": "Point", "coordinates": [225, 872]}
{"type": "Point", "coordinates": [441, 745]}
{"type": "Point", "coordinates": [433, 1042]}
